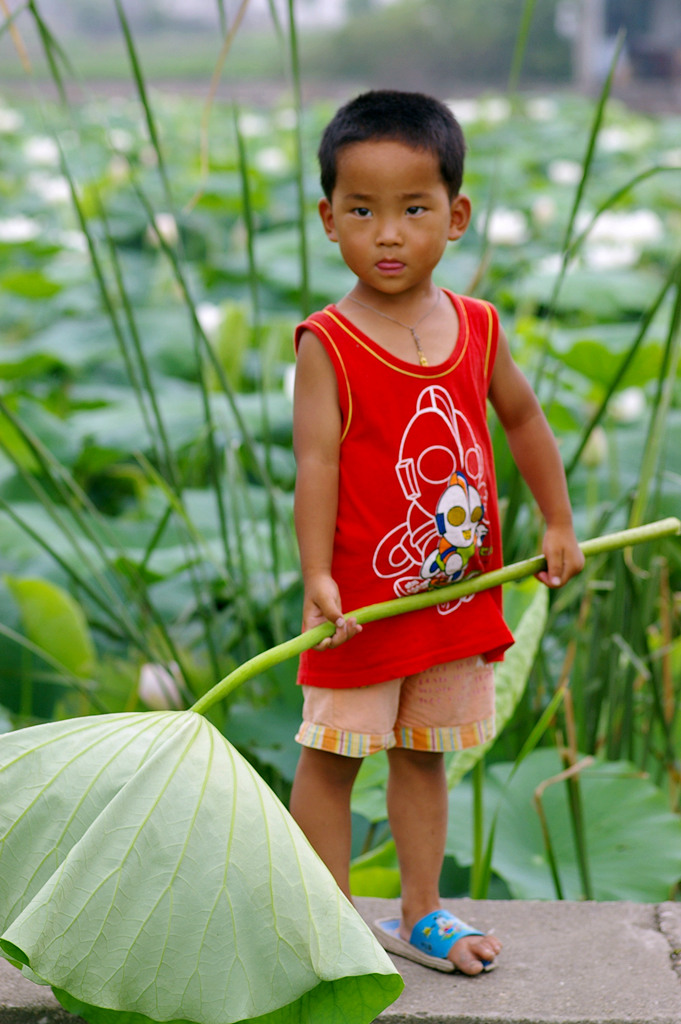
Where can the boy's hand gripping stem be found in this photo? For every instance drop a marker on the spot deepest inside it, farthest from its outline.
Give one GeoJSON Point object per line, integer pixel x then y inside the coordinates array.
{"type": "Point", "coordinates": [400, 605]}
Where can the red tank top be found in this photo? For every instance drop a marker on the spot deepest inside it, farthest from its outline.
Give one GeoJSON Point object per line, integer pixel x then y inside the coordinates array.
{"type": "Point", "coordinates": [417, 503]}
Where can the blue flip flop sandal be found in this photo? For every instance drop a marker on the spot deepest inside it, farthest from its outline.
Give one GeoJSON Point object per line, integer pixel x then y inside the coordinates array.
{"type": "Point", "coordinates": [431, 939]}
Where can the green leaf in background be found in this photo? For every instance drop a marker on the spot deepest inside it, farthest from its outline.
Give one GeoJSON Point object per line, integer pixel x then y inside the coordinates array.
{"type": "Point", "coordinates": [377, 873]}
{"type": "Point", "coordinates": [607, 295]}
{"type": "Point", "coordinates": [526, 607]}
{"type": "Point", "coordinates": [36, 421]}
{"type": "Point", "coordinates": [55, 622]}
{"type": "Point", "coordinates": [31, 284]}
{"type": "Point", "coordinates": [633, 840]}
{"type": "Point", "coordinates": [368, 793]}
{"type": "Point", "coordinates": [148, 873]}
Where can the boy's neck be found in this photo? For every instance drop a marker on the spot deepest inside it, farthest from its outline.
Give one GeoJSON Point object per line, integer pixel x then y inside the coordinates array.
{"type": "Point", "coordinates": [411, 327]}
{"type": "Point", "coordinates": [417, 328]}
{"type": "Point", "coordinates": [406, 305]}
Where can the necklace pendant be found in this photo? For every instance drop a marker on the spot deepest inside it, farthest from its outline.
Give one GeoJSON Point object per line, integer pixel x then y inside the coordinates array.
{"type": "Point", "coordinates": [419, 351]}
{"type": "Point", "coordinates": [408, 327]}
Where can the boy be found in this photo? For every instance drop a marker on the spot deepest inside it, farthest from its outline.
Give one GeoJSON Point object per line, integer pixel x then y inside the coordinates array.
{"type": "Point", "coordinates": [395, 492]}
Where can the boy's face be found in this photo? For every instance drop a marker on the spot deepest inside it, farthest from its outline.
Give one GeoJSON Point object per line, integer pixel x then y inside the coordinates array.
{"type": "Point", "coordinates": [391, 214]}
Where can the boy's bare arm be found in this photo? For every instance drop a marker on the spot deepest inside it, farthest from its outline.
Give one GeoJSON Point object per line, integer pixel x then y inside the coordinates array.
{"type": "Point", "coordinates": [316, 443]}
{"type": "Point", "coordinates": [536, 454]}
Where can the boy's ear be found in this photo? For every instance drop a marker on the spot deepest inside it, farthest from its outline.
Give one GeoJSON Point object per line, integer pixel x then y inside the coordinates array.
{"type": "Point", "coordinates": [326, 213]}
{"type": "Point", "coordinates": [460, 216]}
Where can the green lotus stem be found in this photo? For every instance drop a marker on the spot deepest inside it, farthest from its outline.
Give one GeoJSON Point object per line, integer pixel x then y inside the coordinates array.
{"type": "Point", "coordinates": [440, 595]}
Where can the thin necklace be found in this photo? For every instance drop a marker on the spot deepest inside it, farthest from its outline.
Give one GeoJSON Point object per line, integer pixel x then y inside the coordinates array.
{"type": "Point", "coordinates": [417, 341]}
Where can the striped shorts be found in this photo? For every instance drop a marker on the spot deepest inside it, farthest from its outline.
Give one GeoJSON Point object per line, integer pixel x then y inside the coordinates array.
{"type": "Point", "coordinates": [444, 708]}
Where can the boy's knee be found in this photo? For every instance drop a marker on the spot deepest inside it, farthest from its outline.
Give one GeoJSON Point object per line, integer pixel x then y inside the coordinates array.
{"type": "Point", "coordinates": [336, 768]}
{"type": "Point", "coordinates": [416, 760]}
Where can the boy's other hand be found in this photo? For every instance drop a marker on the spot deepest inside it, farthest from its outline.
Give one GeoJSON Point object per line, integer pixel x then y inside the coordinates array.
{"type": "Point", "coordinates": [322, 604]}
{"type": "Point", "coordinates": [564, 557]}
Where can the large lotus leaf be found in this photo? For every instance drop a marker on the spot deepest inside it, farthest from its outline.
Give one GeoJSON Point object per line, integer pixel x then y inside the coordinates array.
{"type": "Point", "coordinates": [147, 872]}
{"type": "Point", "coordinates": [633, 840]}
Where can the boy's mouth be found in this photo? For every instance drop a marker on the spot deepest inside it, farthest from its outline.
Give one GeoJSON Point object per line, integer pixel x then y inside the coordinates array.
{"type": "Point", "coordinates": [390, 266]}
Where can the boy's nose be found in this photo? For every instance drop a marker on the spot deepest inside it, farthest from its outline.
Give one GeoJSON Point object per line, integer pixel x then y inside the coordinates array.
{"type": "Point", "coordinates": [388, 232]}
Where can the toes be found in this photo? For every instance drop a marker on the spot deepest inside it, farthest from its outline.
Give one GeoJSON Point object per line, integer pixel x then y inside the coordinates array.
{"type": "Point", "coordinates": [469, 965]}
{"type": "Point", "coordinates": [469, 953]}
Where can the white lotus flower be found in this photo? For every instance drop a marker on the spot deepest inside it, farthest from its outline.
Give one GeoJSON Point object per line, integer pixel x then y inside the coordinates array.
{"type": "Point", "coordinates": [271, 160]}
{"type": "Point", "coordinates": [628, 405]}
{"type": "Point", "coordinates": [289, 380]}
{"type": "Point", "coordinates": [504, 227]}
{"type": "Point", "coordinates": [466, 111]}
{"type": "Point", "coordinates": [541, 108]}
{"type": "Point", "coordinates": [565, 172]}
{"type": "Point", "coordinates": [645, 227]}
{"type": "Point", "coordinates": [10, 120]}
{"type": "Point", "coordinates": [41, 149]}
{"type": "Point", "coordinates": [120, 139]}
{"type": "Point", "coordinates": [608, 256]}
{"type": "Point", "coordinates": [158, 686]}
{"type": "Point", "coordinates": [623, 138]}
{"type": "Point", "coordinates": [550, 265]}
{"type": "Point", "coordinates": [286, 119]}
{"type": "Point", "coordinates": [209, 316]}
{"type": "Point", "coordinates": [495, 109]}
{"type": "Point", "coordinates": [165, 228]}
{"type": "Point", "coordinates": [18, 229]}
{"type": "Point", "coordinates": [614, 140]}
{"type": "Point", "coordinates": [252, 126]}
{"type": "Point", "coordinates": [53, 189]}
{"type": "Point", "coordinates": [671, 158]}
{"type": "Point", "coordinates": [636, 227]}
{"type": "Point", "coordinates": [75, 240]}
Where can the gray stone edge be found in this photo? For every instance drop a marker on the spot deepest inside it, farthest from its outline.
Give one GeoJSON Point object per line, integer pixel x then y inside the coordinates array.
{"type": "Point", "coordinates": [669, 923]}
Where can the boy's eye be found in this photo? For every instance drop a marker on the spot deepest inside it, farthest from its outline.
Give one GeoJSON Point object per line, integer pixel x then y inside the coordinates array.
{"type": "Point", "coordinates": [361, 211]}
{"type": "Point", "coordinates": [413, 210]}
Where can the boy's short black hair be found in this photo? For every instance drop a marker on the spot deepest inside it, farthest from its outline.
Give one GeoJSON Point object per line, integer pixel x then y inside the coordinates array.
{"type": "Point", "coordinates": [413, 118]}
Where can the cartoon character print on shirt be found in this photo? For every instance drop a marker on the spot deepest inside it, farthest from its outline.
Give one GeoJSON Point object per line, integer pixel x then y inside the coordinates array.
{"type": "Point", "coordinates": [441, 472]}
{"type": "Point", "coordinates": [459, 520]}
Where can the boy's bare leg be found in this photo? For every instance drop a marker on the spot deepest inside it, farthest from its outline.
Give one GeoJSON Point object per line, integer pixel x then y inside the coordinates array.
{"type": "Point", "coordinates": [417, 809]}
{"type": "Point", "coordinates": [320, 803]}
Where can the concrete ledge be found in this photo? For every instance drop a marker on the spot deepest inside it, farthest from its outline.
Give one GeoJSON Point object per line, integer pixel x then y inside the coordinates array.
{"type": "Point", "coordinates": [562, 963]}
{"type": "Point", "coordinates": [22, 1002]}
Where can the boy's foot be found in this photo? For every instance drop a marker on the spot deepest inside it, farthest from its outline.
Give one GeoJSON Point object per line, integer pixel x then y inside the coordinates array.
{"type": "Point", "coordinates": [474, 954]}
{"type": "Point", "coordinates": [441, 941]}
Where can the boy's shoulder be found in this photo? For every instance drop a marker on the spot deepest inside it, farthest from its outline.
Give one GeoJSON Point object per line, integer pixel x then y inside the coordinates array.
{"type": "Point", "coordinates": [320, 322]}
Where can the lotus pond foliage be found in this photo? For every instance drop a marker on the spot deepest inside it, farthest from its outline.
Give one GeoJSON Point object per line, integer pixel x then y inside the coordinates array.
{"type": "Point", "coordinates": [155, 254]}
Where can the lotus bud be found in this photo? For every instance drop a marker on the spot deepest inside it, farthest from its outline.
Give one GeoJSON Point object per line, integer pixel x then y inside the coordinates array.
{"type": "Point", "coordinates": [544, 210]}
{"type": "Point", "coordinates": [596, 448]}
{"type": "Point", "coordinates": [158, 686]}
{"type": "Point", "coordinates": [165, 228]}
